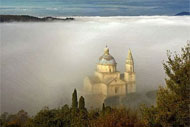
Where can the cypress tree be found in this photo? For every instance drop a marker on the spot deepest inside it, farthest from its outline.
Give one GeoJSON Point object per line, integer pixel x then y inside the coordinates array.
{"type": "Point", "coordinates": [74, 100]}
{"type": "Point", "coordinates": [103, 107]}
{"type": "Point", "coordinates": [81, 103]}
{"type": "Point", "coordinates": [83, 113]}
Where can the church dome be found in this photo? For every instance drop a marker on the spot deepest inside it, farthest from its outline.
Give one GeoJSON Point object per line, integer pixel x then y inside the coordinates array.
{"type": "Point", "coordinates": [106, 58]}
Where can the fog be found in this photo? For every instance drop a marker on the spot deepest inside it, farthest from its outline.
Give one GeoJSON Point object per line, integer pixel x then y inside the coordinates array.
{"type": "Point", "coordinates": [41, 63]}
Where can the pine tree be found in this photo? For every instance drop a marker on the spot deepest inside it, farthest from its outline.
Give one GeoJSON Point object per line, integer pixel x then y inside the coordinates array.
{"type": "Point", "coordinates": [74, 100]}
{"type": "Point", "coordinates": [81, 103]}
{"type": "Point", "coordinates": [172, 105]}
{"type": "Point", "coordinates": [177, 69]}
{"type": "Point", "coordinates": [175, 98]}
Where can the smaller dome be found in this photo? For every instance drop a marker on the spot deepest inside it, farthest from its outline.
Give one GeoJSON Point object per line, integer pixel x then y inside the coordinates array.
{"type": "Point", "coordinates": [106, 58]}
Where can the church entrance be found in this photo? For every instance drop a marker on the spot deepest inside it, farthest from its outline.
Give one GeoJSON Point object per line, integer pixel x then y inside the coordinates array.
{"type": "Point", "coordinates": [116, 90]}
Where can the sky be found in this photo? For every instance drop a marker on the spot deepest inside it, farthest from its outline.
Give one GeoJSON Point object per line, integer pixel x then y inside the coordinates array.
{"type": "Point", "coordinates": [41, 63]}
{"type": "Point", "coordinates": [93, 7]}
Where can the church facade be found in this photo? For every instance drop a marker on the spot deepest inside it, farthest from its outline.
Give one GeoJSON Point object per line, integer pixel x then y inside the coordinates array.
{"type": "Point", "coordinates": [107, 81]}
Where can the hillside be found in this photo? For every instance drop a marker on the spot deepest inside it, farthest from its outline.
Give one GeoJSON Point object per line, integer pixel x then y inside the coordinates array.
{"type": "Point", "coordinates": [27, 18]}
{"type": "Point", "coordinates": [183, 13]}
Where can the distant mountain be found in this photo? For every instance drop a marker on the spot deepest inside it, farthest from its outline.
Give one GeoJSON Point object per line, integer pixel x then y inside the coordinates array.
{"type": "Point", "coordinates": [27, 18]}
{"type": "Point", "coordinates": [183, 13]}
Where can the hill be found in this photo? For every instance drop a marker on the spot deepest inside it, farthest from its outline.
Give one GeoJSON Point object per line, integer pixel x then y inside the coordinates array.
{"type": "Point", "coordinates": [183, 13]}
{"type": "Point", "coordinates": [27, 18]}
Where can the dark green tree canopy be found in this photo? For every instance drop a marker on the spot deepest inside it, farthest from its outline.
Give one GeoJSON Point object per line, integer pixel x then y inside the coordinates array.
{"type": "Point", "coordinates": [177, 69]}
{"type": "Point", "coordinates": [81, 103]}
{"type": "Point", "coordinates": [172, 106]}
{"type": "Point", "coordinates": [74, 100]}
{"type": "Point", "coordinates": [103, 107]}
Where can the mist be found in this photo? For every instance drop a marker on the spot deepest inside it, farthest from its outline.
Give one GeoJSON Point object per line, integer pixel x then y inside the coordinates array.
{"type": "Point", "coordinates": [41, 63]}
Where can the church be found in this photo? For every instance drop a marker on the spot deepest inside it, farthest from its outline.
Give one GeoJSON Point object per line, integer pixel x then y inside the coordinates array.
{"type": "Point", "coordinates": [109, 82]}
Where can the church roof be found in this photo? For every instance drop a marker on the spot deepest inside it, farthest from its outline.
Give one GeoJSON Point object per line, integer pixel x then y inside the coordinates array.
{"type": "Point", "coordinates": [106, 58]}
{"type": "Point", "coordinates": [94, 79]}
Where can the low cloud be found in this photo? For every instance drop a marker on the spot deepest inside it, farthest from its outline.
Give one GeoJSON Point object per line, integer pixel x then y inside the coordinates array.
{"type": "Point", "coordinates": [41, 63]}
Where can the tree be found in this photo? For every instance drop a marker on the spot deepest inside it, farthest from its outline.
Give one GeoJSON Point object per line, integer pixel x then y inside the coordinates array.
{"type": "Point", "coordinates": [17, 120]}
{"type": "Point", "coordinates": [118, 118]}
{"type": "Point", "coordinates": [177, 69]}
{"type": "Point", "coordinates": [172, 105]}
{"type": "Point", "coordinates": [74, 100]}
{"type": "Point", "coordinates": [63, 117]}
{"type": "Point", "coordinates": [103, 107]}
{"type": "Point", "coordinates": [81, 103]}
{"type": "Point", "coordinates": [3, 119]}
{"type": "Point", "coordinates": [29, 123]}
{"type": "Point", "coordinates": [46, 118]}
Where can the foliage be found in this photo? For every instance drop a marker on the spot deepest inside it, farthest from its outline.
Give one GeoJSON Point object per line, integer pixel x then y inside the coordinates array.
{"type": "Point", "coordinates": [172, 101]}
{"type": "Point", "coordinates": [81, 103]}
{"type": "Point", "coordinates": [73, 117]}
{"type": "Point", "coordinates": [103, 107]}
{"type": "Point", "coordinates": [74, 100]}
{"type": "Point", "coordinates": [119, 118]}
{"type": "Point", "coordinates": [17, 120]}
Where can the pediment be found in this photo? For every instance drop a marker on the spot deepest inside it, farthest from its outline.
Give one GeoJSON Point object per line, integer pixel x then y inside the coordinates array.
{"type": "Point", "coordinates": [114, 81]}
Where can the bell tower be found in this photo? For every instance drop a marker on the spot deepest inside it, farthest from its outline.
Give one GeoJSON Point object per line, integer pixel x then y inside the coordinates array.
{"type": "Point", "coordinates": [129, 74]}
